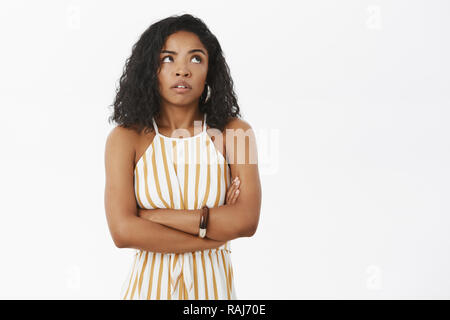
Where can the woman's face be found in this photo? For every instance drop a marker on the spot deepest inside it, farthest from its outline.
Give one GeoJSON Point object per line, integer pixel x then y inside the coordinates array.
{"type": "Point", "coordinates": [183, 57]}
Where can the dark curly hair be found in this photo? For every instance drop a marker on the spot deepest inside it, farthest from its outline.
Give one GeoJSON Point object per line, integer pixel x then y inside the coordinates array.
{"type": "Point", "coordinates": [137, 98]}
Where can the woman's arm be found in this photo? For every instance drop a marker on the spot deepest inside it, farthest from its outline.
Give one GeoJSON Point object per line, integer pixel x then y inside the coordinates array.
{"type": "Point", "coordinates": [224, 223]}
{"type": "Point", "coordinates": [187, 221]}
{"type": "Point", "coordinates": [151, 236]}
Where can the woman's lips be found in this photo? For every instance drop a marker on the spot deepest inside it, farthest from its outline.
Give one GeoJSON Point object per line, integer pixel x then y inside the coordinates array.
{"type": "Point", "coordinates": [181, 90]}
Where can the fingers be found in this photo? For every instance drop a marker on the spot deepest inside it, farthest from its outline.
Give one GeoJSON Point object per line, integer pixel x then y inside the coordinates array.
{"type": "Point", "coordinates": [230, 192]}
{"type": "Point", "coordinates": [235, 195]}
{"type": "Point", "coordinates": [233, 191]}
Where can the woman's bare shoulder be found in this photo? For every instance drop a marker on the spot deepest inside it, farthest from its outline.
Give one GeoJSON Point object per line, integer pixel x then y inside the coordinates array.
{"type": "Point", "coordinates": [238, 123]}
{"type": "Point", "coordinates": [119, 133]}
{"type": "Point", "coordinates": [122, 138]}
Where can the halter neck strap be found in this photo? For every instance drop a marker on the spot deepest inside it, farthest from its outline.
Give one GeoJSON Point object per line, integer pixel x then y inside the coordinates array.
{"type": "Point", "coordinates": [204, 123]}
{"type": "Point", "coordinates": [155, 126]}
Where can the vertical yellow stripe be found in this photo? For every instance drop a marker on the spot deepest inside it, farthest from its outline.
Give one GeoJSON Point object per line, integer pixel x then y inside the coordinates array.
{"type": "Point", "coordinates": [186, 174]}
{"type": "Point", "coordinates": [135, 280]}
{"type": "Point", "coordinates": [204, 276]}
{"type": "Point", "coordinates": [169, 293]}
{"type": "Point", "coordinates": [214, 275]}
{"type": "Point", "coordinates": [159, 276]}
{"type": "Point", "coordinates": [208, 175]}
{"type": "Point", "coordinates": [150, 283]}
{"type": "Point", "coordinates": [185, 297]}
{"type": "Point", "coordinates": [231, 266]}
{"type": "Point", "coordinates": [194, 262]}
{"type": "Point", "coordinates": [174, 156]}
{"type": "Point", "coordinates": [225, 174]}
{"type": "Point", "coordinates": [197, 170]}
{"type": "Point", "coordinates": [131, 276]}
{"type": "Point", "coordinates": [156, 179]}
{"type": "Point", "coordinates": [231, 276]}
{"type": "Point", "coordinates": [219, 182]}
{"type": "Point", "coordinates": [180, 289]}
{"type": "Point", "coordinates": [147, 194]}
{"type": "Point", "coordinates": [166, 170]}
{"type": "Point", "coordinates": [226, 273]}
{"type": "Point", "coordinates": [136, 174]}
{"type": "Point", "coordinates": [142, 273]}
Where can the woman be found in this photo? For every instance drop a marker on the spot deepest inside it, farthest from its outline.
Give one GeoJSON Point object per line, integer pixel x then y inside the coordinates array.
{"type": "Point", "coordinates": [162, 174]}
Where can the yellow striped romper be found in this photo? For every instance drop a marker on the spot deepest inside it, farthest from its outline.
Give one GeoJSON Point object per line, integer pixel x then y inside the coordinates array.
{"type": "Point", "coordinates": [181, 173]}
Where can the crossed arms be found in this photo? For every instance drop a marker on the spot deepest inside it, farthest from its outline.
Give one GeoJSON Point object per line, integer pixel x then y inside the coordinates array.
{"type": "Point", "coordinates": [171, 230]}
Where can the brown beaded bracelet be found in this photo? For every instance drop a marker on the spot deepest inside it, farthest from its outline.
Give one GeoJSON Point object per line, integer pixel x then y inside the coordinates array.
{"type": "Point", "coordinates": [203, 222]}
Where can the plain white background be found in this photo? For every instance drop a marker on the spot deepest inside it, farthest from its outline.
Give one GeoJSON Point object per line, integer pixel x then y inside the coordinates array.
{"type": "Point", "coordinates": [350, 103]}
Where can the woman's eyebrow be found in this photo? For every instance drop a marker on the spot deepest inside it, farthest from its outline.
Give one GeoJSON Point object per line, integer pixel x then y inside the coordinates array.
{"type": "Point", "coordinates": [191, 51]}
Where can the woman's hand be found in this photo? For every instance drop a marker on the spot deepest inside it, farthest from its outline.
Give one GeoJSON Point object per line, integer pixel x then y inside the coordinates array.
{"type": "Point", "coordinates": [233, 192]}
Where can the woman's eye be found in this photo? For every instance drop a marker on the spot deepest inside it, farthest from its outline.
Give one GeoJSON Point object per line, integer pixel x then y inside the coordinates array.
{"type": "Point", "coordinates": [196, 57]}
{"type": "Point", "coordinates": [199, 59]}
